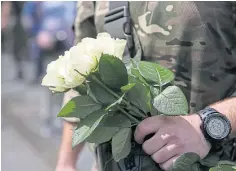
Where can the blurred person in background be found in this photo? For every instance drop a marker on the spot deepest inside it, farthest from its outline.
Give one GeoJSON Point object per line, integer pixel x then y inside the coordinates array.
{"type": "Point", "coordinates": [49, 26]}
{"type": "Point", "coordinates": [11, 11]}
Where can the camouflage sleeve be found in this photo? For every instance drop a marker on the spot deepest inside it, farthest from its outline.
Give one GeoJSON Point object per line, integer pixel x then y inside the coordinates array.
{"type": "Point", "coordinates": [234, 91]}
{"type": "Point", "coordinates": [234, 45]}
{"type": "Point", "coordinates": [84, 21]}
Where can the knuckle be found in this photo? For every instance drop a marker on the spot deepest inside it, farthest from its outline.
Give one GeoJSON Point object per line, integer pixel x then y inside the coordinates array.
{"type": "Point", "coordinates": [146, 149]}
{"type": "Point", "coordinates": [157, 158]}
{"type": "Point", "coordinates": [179, 143]}
{"type": "Point", "coordinates": [173, 138]}
{"type": "Point", "coordinates": [141, 128]}
{"type": "Point", "coordinates": [163, 166]}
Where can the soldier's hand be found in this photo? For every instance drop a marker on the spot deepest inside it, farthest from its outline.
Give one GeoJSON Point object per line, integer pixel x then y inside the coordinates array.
{"type": "Point", "coordinates": [173, 136]}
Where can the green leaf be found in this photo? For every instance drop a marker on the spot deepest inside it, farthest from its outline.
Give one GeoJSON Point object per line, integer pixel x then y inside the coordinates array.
{"type": "Point", "coordinates": [113, 71]}
{"type": "Point", "coordinates": [141, 97]}
{"type": "Point", "coordinates": [133, 79]}
{"type": "Point", "coordinates": [127, 87]}
{"type": "Point", "coordinates": [155, 91]}
{"type": "Point", "coordinates": [108, 127]}
{"type": "Point", "coordinates": [156, 73]}
{"type": "Point", "coordinates": [227, 162]}
{"type": "Point", "coordinates": [86, 126]}
{"type": "Point", "coordinates": [102, 134]}
{"type": "Point", "coordinates": [135, 72]}
{"type": "Point", "coordinates": [210, 160]}
{"type": "Point", "coordinates": [90, 93]}
{"type": "Point", "coordinates": [117, 120]}
{"type": "Point", "coordinates": [81, 89]}
{"type": "Point", "coordinates": [171, 101]}
{"type": "Point", "coordinates": [185, 162]}
{"type": "Point", "coordinates": [134, 63]}
{"type": "Point", "coordinates": [196, 167]}
{"type": "Point", "coordinates": [117, 102]}
{"type": "Point", "coordinates": [223, 167]}
{"type": "Point", "coordinates": [101, 94]}
{"type": "Point", "coordinates": [154, 111]}
{"type": "Point", "coordinates": [79, 107]}
{"type": "Point", "coordinates": [121, 144]}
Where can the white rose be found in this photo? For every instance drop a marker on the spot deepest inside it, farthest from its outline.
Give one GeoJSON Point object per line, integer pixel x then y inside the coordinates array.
{"type": "Point", "coordinates": [81, 62]}
{"type": "Point", "coordinates": [55, 83]}
{"type": "Point", "coordinates": [62, 74]}
{"type": "Point", "coordinates": [91, 47]}
{"type": "Point", "coordinates": [54, 78]}
{"type": "Point", "coordinates": [73, 79]}
{"type": "Point", "coordinates": [119, 48]}
{"type": "Point", "coordinates": [111, 46]}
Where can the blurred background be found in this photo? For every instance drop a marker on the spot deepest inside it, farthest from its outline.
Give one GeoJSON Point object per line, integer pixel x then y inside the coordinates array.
{"type": "Point", "coordinates": [32, 35]}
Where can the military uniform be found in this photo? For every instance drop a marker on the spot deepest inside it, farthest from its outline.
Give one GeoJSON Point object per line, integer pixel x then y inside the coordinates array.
{"type": "Point", "coordinates": [196, 40]}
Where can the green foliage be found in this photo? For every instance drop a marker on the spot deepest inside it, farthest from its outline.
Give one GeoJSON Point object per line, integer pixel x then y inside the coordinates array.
{"type": "Point", "coordinates": [140, 96]}
{"type": "Point", "coordinates": [112, 71]}
{"type": "Point", "coordinates": [210, 160]}
{"type": "Point", "coordinates": [121, 144]}
{"type": "Point", "coordinates": [155, 73]}
{"type": "Point", "coordinates": [171, 101]}
{"type": "Point", "coordinates": [224, 167]}
{"type": "Point", "coordinates": [127, 87]}
{"type": "Point", "coordinates": [79, 107]}
{"type": "Point", "coordinates": [86, 126]}
{"type": "Point", "coordinates": [102, 95]}
{"type": "Point", "coordinates": [114, 98]}
{"type": "Point", "coordinates": [185, 162]}
{"type": "Point", "coordinates": [81, 89]}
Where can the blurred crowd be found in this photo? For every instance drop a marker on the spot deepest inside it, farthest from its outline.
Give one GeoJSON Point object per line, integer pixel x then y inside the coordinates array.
{"type": "Point", "coordinates": [32, 35]}
{"type": "Point", "coordinates": [36, 31]}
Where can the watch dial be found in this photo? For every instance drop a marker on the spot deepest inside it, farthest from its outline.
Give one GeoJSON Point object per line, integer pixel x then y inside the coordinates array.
{"type": "Point", "coordinates": [217, 127]}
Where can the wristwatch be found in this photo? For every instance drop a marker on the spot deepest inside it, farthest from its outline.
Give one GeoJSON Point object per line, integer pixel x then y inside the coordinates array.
{"type": "Point", "coordinates": [216, 127]}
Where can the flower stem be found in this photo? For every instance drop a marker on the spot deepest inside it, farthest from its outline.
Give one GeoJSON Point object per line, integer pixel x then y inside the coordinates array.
{"type": "Point", "coordinates": [160, 82]}
{"type": "Point", "coordinates": [128, 115]}
{"type": "Point", "coordinates": [104, 86]}
{"type": "Point", "coordinates": [117, 96]}
{"type": "Point", "coordinates": [136, 110]}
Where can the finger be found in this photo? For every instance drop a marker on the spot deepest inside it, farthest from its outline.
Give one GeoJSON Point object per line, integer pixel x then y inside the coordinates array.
{"type": "Point", "coordinates": [155, 143]}
{"type": "Point", "coordinates": [169, 163]}
{"type": "Point", "coordinates": [166, 153]}
{"type": "Point", "coordinates": [146, 127]}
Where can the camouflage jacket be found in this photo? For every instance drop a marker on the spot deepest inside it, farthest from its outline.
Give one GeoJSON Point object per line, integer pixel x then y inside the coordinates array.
{"type": "Point", "coordinates": [196, 40]}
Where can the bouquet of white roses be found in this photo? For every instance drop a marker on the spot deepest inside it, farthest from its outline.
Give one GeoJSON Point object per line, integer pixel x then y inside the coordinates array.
{"type": "Point", "coordinates": [113, 98]}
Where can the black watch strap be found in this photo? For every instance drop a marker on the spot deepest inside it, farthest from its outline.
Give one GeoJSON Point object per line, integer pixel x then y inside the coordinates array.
{"type": "Point", "coordinates": [206, 115]}
{"type": "Point", "coordinates": [207, 111]}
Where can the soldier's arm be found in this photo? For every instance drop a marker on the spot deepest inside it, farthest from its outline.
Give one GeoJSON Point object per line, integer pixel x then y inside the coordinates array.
{"type": "Point", "coordinates": [84, 27]}
{"type": "Point", "coordinates": [228, 108]}
{"type": "Point", "coordinates": [68, 156]}
{"type": "Point", "coordinates": [84, 21]}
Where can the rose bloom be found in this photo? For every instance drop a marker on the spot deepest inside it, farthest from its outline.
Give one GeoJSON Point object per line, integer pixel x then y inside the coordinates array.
{"type": "Point", "coordinates": [64, 73]}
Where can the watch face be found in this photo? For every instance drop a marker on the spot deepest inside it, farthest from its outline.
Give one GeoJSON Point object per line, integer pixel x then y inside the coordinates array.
{"type": "Point", "coordinates": [217, 127]}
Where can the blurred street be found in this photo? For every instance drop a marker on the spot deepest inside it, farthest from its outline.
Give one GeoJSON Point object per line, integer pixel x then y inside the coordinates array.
{"type": "Point", "coordinates": [31, 132]}
{"type": "Point", "coordinates": [26, 144]}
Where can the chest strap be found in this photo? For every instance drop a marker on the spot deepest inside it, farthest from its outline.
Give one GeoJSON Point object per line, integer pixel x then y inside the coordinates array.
{"type": "Point", "coordinates": [118, 22]}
